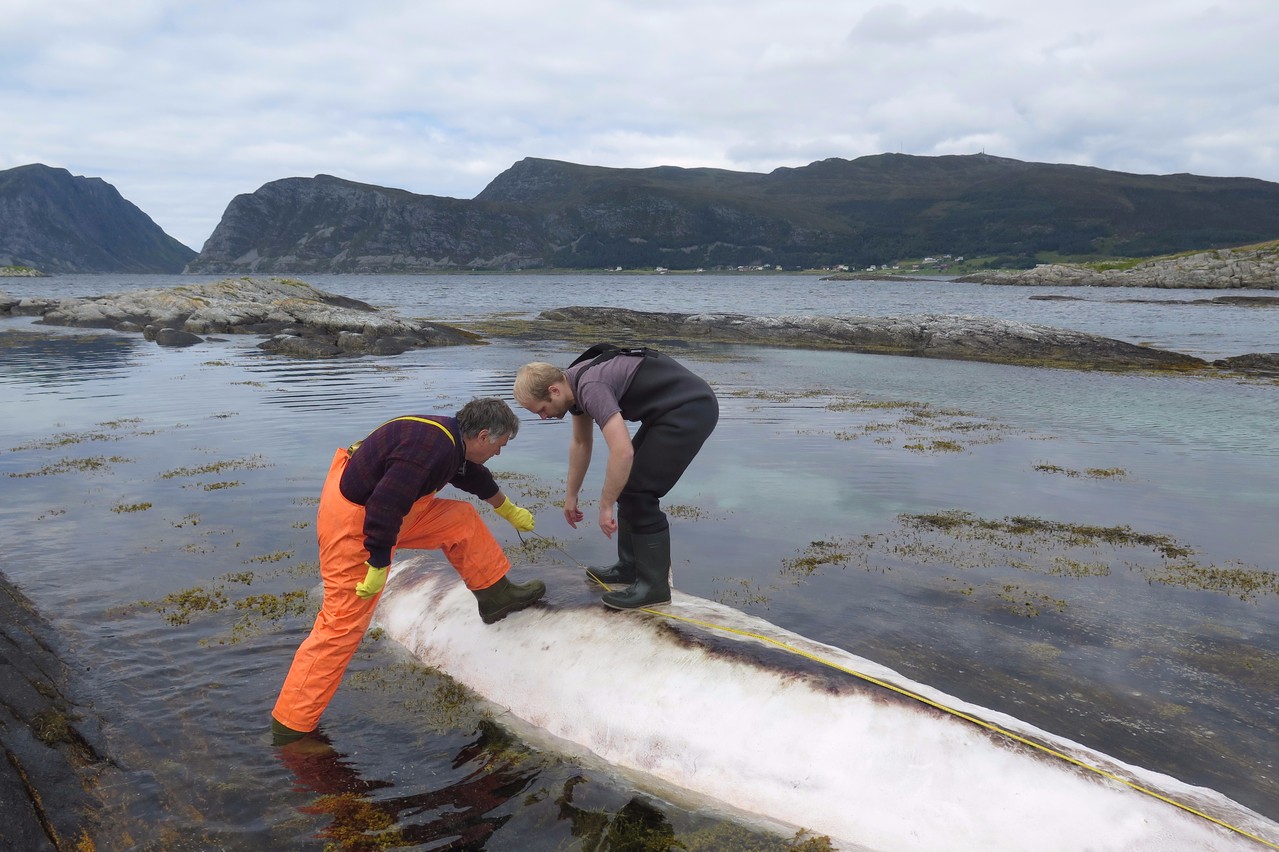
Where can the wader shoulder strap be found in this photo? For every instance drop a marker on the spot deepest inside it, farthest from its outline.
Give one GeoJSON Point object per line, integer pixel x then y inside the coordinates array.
{"type": "Point", "coordinates": [351, 449]}
{"type": "Point", "coordinates": [601, 352]}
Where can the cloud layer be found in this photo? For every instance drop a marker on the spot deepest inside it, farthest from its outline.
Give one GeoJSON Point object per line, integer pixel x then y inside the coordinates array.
{"type": "Point", "coordinates": [183, 105]}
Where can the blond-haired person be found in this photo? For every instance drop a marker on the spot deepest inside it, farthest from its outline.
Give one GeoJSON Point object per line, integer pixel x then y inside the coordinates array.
{"type": "Point", "coordinates": [676, 410]}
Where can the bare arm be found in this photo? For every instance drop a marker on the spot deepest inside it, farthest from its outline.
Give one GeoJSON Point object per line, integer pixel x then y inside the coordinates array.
{"type": "Point", "coordinates": [620, 455]}
{"type": "Point", "coordinates": [579, 459]}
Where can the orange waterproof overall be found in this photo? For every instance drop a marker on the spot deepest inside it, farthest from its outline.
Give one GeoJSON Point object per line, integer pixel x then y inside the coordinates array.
{"type": "Point", "coordinates": [432, 524]}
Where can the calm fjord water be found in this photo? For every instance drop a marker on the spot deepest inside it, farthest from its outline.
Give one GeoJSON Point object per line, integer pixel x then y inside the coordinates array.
{"type": "Point", "coordinates": [864, 501]}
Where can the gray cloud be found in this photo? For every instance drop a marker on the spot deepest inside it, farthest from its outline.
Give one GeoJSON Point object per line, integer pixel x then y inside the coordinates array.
{"type": "Point", "coordinates": [183, 105]}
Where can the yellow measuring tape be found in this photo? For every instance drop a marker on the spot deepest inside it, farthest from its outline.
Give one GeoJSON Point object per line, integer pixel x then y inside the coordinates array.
{"type": "Point", "coordinates": [931, 703]}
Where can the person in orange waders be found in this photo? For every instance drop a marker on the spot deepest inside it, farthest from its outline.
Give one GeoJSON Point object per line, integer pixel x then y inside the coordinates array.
{"type": "Point", "coordinates": [380, 495]}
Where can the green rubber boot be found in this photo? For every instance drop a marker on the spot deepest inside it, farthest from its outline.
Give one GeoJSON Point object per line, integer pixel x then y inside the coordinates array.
{"type": "Point", "coordinates": [504, 597]}
{"type": "Point", "coordinates": [282, 734]}
{"type": "Point", "coordinates": [623, 570]}
{"type": "Point", "coordinates": [652, 573]}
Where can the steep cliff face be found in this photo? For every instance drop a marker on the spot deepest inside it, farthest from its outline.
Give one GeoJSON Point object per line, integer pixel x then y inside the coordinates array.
{"type": "Point", "coordinates": [57, 222]}
{"type": "Point", "coordinates": [326, 224]}
{"type": "Point", "coordinates": [872, 210]}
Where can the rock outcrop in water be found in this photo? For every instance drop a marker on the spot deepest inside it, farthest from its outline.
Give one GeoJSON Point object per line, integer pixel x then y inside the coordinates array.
{"type": "Point", "coordinates": [928, 336]}
{"type": "Point", "coordinates": [1252, 268]}
{"type": "Point", "coordinates": [300, 319]}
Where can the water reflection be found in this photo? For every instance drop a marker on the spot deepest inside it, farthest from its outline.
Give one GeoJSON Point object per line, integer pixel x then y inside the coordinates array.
{"type": "Point", "coordinates": [462, 813]}
{"type": "Point", "coordinates": [55, 361]}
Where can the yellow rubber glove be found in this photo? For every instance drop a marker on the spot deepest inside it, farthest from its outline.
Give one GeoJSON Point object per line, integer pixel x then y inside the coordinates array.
{"type": "Point", "coordinates": [521, 519]}
{"type": "Point", "coordinates": [372, 583]}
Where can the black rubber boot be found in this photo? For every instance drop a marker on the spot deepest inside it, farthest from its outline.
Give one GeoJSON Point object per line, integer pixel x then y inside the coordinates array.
{"type": "Point", "coordinates": [623, 570]}
{"type": "Point", "coordinates": [504, 597]}
{"type": "Point", "coordinates": [652, 573]}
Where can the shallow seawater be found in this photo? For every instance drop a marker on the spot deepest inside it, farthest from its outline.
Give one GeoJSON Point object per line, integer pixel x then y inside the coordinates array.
{"type": "Point", "coordinates": [1091, 553]}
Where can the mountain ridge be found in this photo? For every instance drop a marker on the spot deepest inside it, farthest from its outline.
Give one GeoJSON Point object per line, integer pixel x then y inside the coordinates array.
{"type": "Point", "coordinates": [872, 210]}
{"type": "Point", "coordinates": [54, 221]}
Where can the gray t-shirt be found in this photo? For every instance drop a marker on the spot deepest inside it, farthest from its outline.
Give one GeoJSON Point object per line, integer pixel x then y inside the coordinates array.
{"type": "Point", "coordinates": [597, 390]}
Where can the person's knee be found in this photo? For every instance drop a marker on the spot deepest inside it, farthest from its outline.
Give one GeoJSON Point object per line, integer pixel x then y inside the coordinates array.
{"type": "Point", "coordinates": [642, 512]}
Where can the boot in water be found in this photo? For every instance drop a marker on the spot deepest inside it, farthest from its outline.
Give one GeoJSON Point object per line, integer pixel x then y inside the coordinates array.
{"type": "Point", "coordinates": [504, 597]}
{"type": "Point", "coordinates": [652, 573]}
{"type": "Point", "coordinates": [623, 570]}
{"type": "Point", "coordinates": [282, 734]}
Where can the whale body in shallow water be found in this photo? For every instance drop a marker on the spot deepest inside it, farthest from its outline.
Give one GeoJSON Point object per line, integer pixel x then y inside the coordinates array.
{"type": "Point", "coordinates": [740, 712]}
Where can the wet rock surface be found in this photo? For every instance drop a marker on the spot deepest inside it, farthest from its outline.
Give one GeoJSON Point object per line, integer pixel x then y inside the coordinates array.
{"type": "Point", "coordinates": [53, 752]}
{"type": "Point", "coordinates": [299, 319]}
{"type": "Point", "coordinates": [926, 336]}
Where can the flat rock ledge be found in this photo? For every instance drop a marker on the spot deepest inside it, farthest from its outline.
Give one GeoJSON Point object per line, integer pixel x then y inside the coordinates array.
{"type": "Point", "coordinates": [927, 336]}
{"type": "Point", "coordinates": [298, 319]}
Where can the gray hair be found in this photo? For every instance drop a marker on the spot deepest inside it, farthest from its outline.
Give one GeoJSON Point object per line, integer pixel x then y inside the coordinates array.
{"type": "Point", "coordinates": [488, 413]}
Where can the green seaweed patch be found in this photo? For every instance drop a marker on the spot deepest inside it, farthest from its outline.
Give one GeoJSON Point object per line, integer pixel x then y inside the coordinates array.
{"type": "Point", "coordinates": [179, 607]}
{"type": "Point", "coordinates": [1020, 526]}
{"type": "Point", "coordinates": [192, 520]}
{"type": "Point", "coordinates": [258, 610]}
{"type": "Point", "coordinates": [740, 838]}
{"type": "Point", "coordinates": [1024, 602]}
{"type": "Point", "coordinates": [819, 554]}
{"type": "Point", "coordinates": [216, 486]}
{"type": "Point", "coordinates": [743, 591]}
{"type": "Point", "coordinates": [52, 727]}
{"type": "Point", "coordinates": [685, 512]}
{"type": "Point", "coordinates": [430, 696]}
{"type": "Point", "coordinates": [534, 546]}
{"type": "Point", "coordinates": [1236, 579]}
{"type": "Point", "coordinates": [357, 822]}
{"type": "Point", "coordinates": [122, 508]}
{"type": "Point", "coordinates": [935, 446]}
{"type": "Point", "coordinates": [1035, 545]}
{"type": "Point", "coordinates": [64, 439]}
{"type": "Point", "coordinates": [1064, 566]}
{"type": "Point", "coordinates": [277, 556]}
{"type": "Point", "coordinates": [51, 513]}
{"type": "Point", "coordinates": [306, 501]}
{"type": "Point", "coordinates": [775, 395]}
{"type": "Point", "coordinates": [92, 464]}
{"type": "Point", "coordinates": [251, 463]}
{"type": "Point", "coordinates": [303, 570]}
{"type": "Point", "coordinates": [1090, 473]}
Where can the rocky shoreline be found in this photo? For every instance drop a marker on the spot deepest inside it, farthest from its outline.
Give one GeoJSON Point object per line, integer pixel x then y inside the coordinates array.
{"type": "Point", "coordinates": [20, 272]}
{"type": "Point", "coordinates": [963, 338]}
{"type": "Point", "coordinates": [300, 320]}
{"type": "Point", "coordinates": [296, 318]}
{"type": "Point", "coordinates": [54, 755]}
{"type": "Point", "coordinates": [1254, 268]}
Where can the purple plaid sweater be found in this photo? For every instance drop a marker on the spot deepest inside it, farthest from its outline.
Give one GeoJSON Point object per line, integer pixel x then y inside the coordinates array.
{"type": "Point", "coordinates": [400, 463]}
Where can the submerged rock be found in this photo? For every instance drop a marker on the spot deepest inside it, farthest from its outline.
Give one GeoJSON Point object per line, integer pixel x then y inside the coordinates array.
{"type": "Point", "coordinates": [928, 336]}
{"type": "Point", "coordinates": [302, 319]}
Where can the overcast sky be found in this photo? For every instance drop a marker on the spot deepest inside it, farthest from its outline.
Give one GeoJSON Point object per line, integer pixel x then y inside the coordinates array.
{"type": "Point", "coordinates": [184, 104]}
